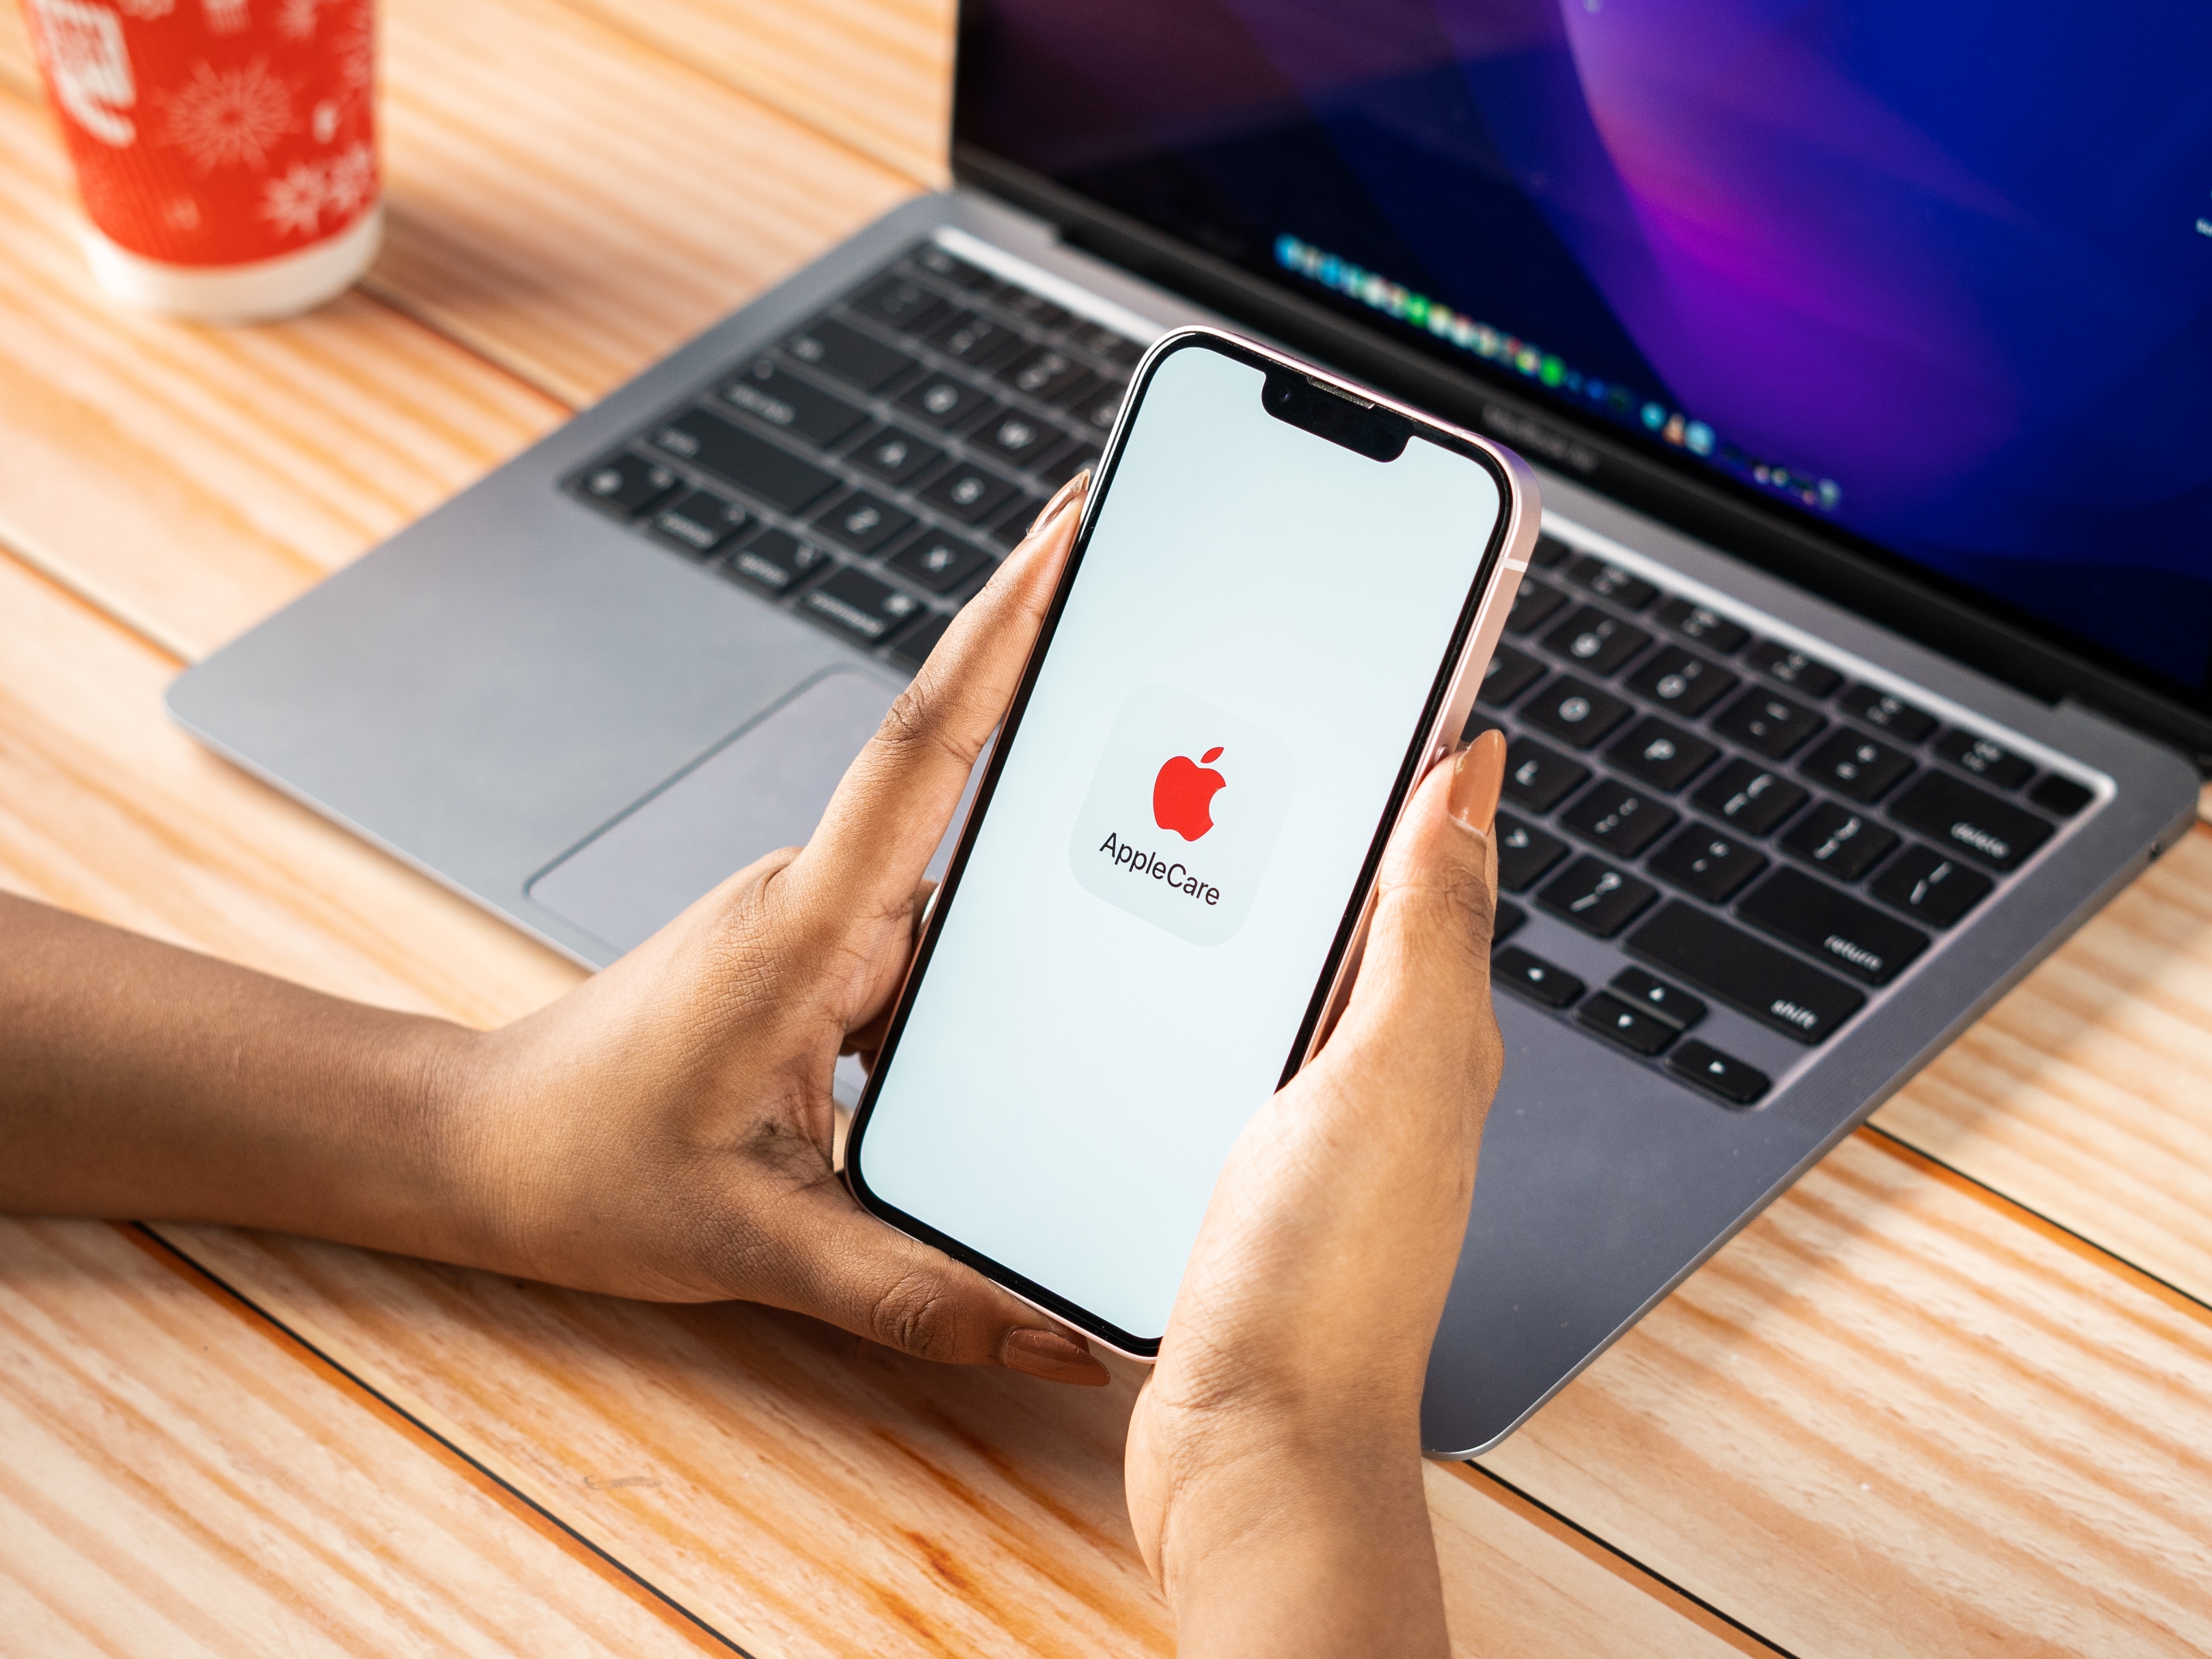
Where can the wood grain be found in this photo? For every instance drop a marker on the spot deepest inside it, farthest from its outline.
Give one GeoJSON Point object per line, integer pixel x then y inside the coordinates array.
{"type": "Point", "coordinates": [574, 205]}
{"type": "Point", "coordinates": [175, 1479]}
{"type": "Point", "coordinates": [876, 75]}
{"type": "Point", "coordinates": [809, 1492]}
{"type": "Point", "coordinates": [189, 479]}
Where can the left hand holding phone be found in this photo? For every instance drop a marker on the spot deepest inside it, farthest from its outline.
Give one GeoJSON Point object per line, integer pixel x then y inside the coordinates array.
{"type": "Point", "coordinates": [689, 1156]}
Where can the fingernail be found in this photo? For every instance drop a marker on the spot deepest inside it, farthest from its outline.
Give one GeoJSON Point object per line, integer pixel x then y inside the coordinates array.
{"type": "Point", "coordinates": [1066, 493]}
{"type": "Point", "coordinates": [1055, 1358]}
{"type": "Point", "coordinates": [1477, 777]}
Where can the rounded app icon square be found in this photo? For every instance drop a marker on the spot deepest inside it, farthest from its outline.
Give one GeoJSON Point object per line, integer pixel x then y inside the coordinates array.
{"type": "Point", "coordinates": [1182, 815]}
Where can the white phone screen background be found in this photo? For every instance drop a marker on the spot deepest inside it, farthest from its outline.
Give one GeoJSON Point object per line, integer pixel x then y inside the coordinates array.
{"type": "Point", "coordinates": [1093, 1031]}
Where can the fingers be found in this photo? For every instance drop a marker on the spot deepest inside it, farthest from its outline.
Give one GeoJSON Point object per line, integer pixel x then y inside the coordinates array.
{"type": "Point", "coordinates": [890, 812]}
{"type": "Point", "coordinates": [855, 1272]}
{"type": "Point", "coordinates": [1423, 994]}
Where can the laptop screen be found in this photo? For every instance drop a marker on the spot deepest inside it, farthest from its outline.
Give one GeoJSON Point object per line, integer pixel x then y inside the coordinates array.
{"type": "Point", "coordinates": [1937, 276]}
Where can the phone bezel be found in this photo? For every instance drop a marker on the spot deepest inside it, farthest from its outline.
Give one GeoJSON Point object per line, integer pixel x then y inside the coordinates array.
{"type": "Point", "coordinates": [1444, 712]}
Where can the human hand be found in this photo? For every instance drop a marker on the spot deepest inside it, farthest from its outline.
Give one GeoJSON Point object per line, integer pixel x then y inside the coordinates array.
{"type": "Point", "coordinates": [663, 1131]}
{"type": "Point", "coordinates": [1273, 1462]}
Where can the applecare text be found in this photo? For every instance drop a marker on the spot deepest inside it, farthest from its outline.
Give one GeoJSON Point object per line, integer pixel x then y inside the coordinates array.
{"type": "Point", "coordinates": [1139, 862]}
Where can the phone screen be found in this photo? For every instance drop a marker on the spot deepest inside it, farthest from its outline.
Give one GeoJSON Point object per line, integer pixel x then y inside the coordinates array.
{"type": "Point", "coordinates": [1180, 812]}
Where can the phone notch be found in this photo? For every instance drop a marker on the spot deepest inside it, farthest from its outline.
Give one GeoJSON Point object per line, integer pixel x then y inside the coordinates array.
{"type": "Point", "coordinates": [1339, 416]}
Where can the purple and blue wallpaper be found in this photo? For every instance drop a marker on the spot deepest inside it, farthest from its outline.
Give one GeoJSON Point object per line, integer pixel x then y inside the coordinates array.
{"type": "Point", "coordinates": [1940, 276]}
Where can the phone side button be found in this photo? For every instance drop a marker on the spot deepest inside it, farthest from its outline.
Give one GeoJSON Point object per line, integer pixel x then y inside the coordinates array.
{"type": "Point", "coordinates": [1534, 978]}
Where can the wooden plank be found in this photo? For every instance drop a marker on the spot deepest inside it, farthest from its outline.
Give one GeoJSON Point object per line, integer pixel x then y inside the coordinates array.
{"type": "Point", "coordinates": [1891, 1418]}
{"type": "Point", "coordinates": [176, 1479]}
{"type": "Point", "coordinates": [191, 480]}
{"type": "Point", "coordinates": [2087, 1093]}
{"type": "Point", "coordinates": [874, 74]}
{"type": "Point", "coordinates": [803, 1490]}
{"type": "Point", "coordinates": [574, 205]}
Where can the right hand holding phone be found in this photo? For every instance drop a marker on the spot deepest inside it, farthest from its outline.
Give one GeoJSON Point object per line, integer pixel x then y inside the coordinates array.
{"type": "Point", "coordinates": [1273, 1462]}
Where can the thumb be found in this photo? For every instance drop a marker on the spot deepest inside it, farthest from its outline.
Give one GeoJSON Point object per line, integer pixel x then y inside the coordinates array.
{"type": "Point", "coordinates": [855, 1272]}
{"type": "Point", "coordinates": [1424, 984]}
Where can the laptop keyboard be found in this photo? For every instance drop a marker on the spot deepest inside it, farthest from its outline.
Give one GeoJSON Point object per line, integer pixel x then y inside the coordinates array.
{"type": "Point", "coordinates": [1740, 816]}
{"type": "Point", "coordinates": [1740, 822]}
{"type": "Point", "coordinates": [869, 471]}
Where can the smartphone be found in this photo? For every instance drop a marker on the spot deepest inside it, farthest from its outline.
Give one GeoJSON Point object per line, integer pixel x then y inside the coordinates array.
{"type": "Point", "coordinates": [1283, 593]}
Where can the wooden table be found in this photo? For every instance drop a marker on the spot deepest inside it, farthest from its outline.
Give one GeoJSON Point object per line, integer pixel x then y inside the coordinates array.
{"type": "Point", "coordinates": [1951, 1396]}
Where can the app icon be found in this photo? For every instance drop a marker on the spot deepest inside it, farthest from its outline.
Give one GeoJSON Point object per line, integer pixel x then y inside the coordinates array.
{"type": "Point", "coordinates": [1182, 815]}
{"type": "Point", "coordinates": [1182, 793]}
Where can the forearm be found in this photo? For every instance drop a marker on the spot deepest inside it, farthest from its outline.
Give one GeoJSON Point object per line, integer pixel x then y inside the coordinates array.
{"type": "Point", "coordinates": [1322, 1547]}
{"type": "Point", "coordinates": [139, 1080]}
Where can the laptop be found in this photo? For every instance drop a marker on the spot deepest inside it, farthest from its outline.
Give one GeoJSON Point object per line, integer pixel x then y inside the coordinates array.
{"type": "Point", "coordinates": [1864, 656]}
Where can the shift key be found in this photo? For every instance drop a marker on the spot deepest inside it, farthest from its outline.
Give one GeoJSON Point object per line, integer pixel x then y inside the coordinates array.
{"type": "Point", "coordinates": [1771, 986]}
{"type": "Point", "coordinates": [764, 471]}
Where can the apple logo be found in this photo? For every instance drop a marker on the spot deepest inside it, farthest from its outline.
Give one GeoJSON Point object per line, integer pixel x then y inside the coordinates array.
{"type": "Point", "coordinates": [1183, 794]}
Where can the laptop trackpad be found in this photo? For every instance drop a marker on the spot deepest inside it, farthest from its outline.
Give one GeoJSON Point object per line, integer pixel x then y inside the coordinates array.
{"type": "Point", "coordinates": [761, 789]}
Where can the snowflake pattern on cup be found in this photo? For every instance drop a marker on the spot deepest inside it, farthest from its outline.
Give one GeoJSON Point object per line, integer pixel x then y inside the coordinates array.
{"type": "Point", "coordinates": [215, 132]}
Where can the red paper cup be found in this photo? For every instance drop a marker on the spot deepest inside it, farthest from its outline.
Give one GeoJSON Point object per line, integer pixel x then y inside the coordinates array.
{"type": "Point", "coordinates": [225, 149]}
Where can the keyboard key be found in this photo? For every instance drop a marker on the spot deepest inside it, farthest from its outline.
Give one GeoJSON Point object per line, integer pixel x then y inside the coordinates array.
{"type": "Point", "coordinates": [1661, 755]}
{"type": "Point", "coordinates": [1596, 897]}
{"type": "Point", "coordinates": [1524, 853]}
{"type": "Point", "coordinates": [860, 606]}
{"type": "Point", "coordinates": [1058, 470]}
{"type": "Point", "coordinates": [1872, 705]}
{"type": "Point", "coordinates": [1706, 864]}
{"type": "Point", "coordinates": [1749, 797]}
{"type": "Point", "coordinates": [1098, 408]}
{"type": "Point", "coordinates": [1550, 552]}
{"type": "Point", "coordinates": [1793, 668]}
{"type": "Point", "coordinates": [902, 303]}
{"type": "Point", "coordinates": [753, 464]}
{"type": "Point", "coordinates": [912, 648]}
{"type": "Point", "coordinates": [1857, 766]}
{"type": "Point", "coordinates": [977, 341]}
{"type": "Point", "coordinates": [944, 402]}
{"type": "Point", "coordinates": [859, 359]}
{"type": "Point", "coordinates": [625, 485]}
{"type": "Point", "coordinates": [1997, 767]}
{"type": "Point", "coordinates": [1537, 777]}
{"type": "Point", "coordinates": [968, 493]}
{"type": "Point", "coordinates": [775, 560]}
{"type": "Point", "coordinates": [1686, 683]}
{"type": "Point", "coordinates": [1823, 922]}
{"type": "Point", "coordinates": [1657, 998]}
{"type": "Point", "coordinates": [1030, 307]}
{"type": "Point", "coordinates": [1575, 710]}
{"type": "Point", "coordinates": [1011, 525]}
{"type": "Point", "coordinates": [1771, 724]}
{"type": "Point", "coordinates": [1924, 884]}
{"type": "Point", "coordinates": [1624, 821]}
{"type": "Point", "coordinates": [864, 523]}
{"type": "Point", "coordinates": [781, 398]}
{"type": "Point", "coordinates": [957, 271]}
{"type": "Point", "coordinates": [1048, 374]}
{"type": "Point", "coordinates": [2061, 795]}
{"type": "Point", "coordinates": [700, 521]}
{"type": "Point", "coordinates": [893, 455]}
{"type": "Point", "coordinates": [1767, 983]}
{"type": "Point", "coordinates": [1531, 605]}
{"type": "Point", "coordinates": [1511, 673]}
{"type": "Point", "coordinates": [1506, 922]}
{"type": "Point", "coordinates": [1844, 844]}
{"type": "Point", "coordinates": [1966, 819]}
{"type": "Point", "coordinates": [1709, 1068]}
{"type": "Point", "coordinates": [939, 563]}
{"type": "Point", "coordinates": [1632, 1028]}
{"type": "Point", "coordinates": [1020, 440]}
{"type": "Point", "coordinates": [1592, 640]}
{"type": "Point", "coordinates": [1534, 978]}
{"type": "Point", "coordinates": [1708, 627]}
{"type": "Point", "coordinates": [1103, 342]}
{"type": "Point", "coordinates": [1609, 581]}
